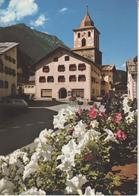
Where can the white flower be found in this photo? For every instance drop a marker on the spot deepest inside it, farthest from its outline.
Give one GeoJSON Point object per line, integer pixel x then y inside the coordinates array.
{"type": "Point", "coordinates": [33, 191]}
{"type": "Point", "coordinates": [89, 191]}
{"type": "Point", "coordinates": [32, 166]}
{"type": "Point", "coordinates": [13, 157]}
{"type": "Point", "coordinates": [79, 130]}
{"type": "Point", "coordinates": [93, 134]}
{"type": "Point", "coordinates": [59, 120]}
{"type": "Point", "coordinates": [6, 187]}
{"type": "Point", "coordinates": [131, 117]}
{"type": "Point", "coordinates": [94, 124]}
{"type": "Point", "coordinates": [102, 108]}
{"type": "Point", "coordinates": [68, 153]}
{"type": "Point", "coordinates": [110, 136]}
{"type": "Point", "coordinates": [75, 184]}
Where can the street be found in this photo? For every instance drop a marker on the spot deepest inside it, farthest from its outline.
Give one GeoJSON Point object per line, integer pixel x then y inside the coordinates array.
{"type": "Point", "coordinates": [22, 128]}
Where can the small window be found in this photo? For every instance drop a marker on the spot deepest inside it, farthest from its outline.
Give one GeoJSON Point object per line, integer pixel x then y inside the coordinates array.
{"type": "Point", "coordinates": [61, 79]}
{"type": "Point", "coordinates": [50, 79]}
{"type": "Point", "coordinates": [55, 59]}
{"type": "Point", "coordinates": [13, 60]}
{"type": "Point", "coordinates": [6, 70]}
{"type": "Point", "coordinates": [72, 67]}
{"type": "Point", "coordinates": [45, 69]}
{"type": "Point", "coordinates": [89, 33]}
{"type": "Point", "coordinates": [1, 84]}
{"type": "Point", "coordinates": [93, 80]}
{"type": "Point", "coordinates": [81, 78]}
{"type": "Point", "coordinates": [1, 66]}
{"type": "Point", "coordinates": [6, 57]}
{"type": "Point", "coordinates": [103, 82]}
{"type": "Point", "coordinates": [78, 35]}
{"type": "Point", "coordinates": [42, 79]}
{"type": "Point", "coordinates": [66, 58]}
{"type": "Point", "coordinates": [72, 78]}
{"type": "Point", "coordinates": [61, 68]}
{"type": "Point", "coordinates": [81, 67]}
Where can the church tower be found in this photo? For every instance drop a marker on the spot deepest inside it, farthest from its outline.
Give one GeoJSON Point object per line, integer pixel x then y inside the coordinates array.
{"type": "Point", "coordinates": [86, 40]}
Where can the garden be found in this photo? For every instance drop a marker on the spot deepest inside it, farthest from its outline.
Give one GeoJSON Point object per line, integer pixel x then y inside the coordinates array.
{"type": "Point", "coordinates": [78, 155]}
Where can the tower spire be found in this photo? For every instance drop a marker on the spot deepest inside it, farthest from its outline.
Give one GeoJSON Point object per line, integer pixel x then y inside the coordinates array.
{"type": "Point", "coordinates": [87, 12]}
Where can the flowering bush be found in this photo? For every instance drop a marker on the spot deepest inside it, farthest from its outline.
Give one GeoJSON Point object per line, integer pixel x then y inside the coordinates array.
{"type": "Point", "coordinates": [74, 158]}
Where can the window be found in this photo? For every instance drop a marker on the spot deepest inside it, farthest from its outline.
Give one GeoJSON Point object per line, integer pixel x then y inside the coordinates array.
{"type": "Point", "coordinates": [78, 35]}
{"type": "Point", "coordinates": [6, 84]}
{"type": "Point", "coordinates": [61, 79]}
{"type": "Point", "coordinates": [61, 68]}
{"type": "Point", "coordinates": [72, 78]}
{"type": "Point", "coordinates": [81, 67]}
{"type": "Point", "coordinates": [81, 78]}
{"type": "Point", "coordinates": [46, 93]}
{"type": "Point", "coordinates": [6, 57]}
{"type": "Point", "coordinates": [6, 70]}
{"type": "Point", "coordinates": [42, 79]}
{"type": "Point", "coordinates": [1, 66]}
{"type": "Point", "coordinates": [13, 60]}
{"type": "Point", "coordinates": [83, 42]}
{"type": "Point", "coordinates": [89, 33]}
{"type": "Point", "coordinates": [103, 82]}
{"type": "Point", "coordinates": [78, 93]}
{"type": "Point", "coordinates": [93, 80]}
{"type": "Point", "coordinates": [55, 59]}
{"type": "Point", "coordinates": [66, 58]}
{"type": "Point", "coordinates": [1, 83]}
{"type": "Point", "coordinates": [72, 67]}
{"type": "Point", "coordinates": [50, 79]}
{"type": "Point", "coordinates": [45, 69]}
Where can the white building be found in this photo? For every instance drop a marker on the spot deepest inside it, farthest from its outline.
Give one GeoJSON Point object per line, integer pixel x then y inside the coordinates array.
{"type": "Point", "coordinates": [64, 72]}
{"type": "Point", "coordinates": [132, 78]}
{"type": "Point", "coordinates": [8, 68]}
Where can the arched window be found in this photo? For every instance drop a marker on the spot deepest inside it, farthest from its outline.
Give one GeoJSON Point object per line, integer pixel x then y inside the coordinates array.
{"type": "Point", "coordinates": [83, 42]}
{"type": "Point", "coordinates": [72, 78]}
{"type": "Point", "coordinates": [81, 67]}
{"type": "Point", "coordinates": [72, 67]}
{"type": "Point", "coordinates": [78, 35]}
{"type": "Point", "coordinates": [61, 68]}
{"type": "Point", "coordinates": [81, 78]}
{"type": "Point", "coordinates": [50, 79]}
{"type": "Point", "coordinates": [89, 33]}
{"type": "Point", "coordinates": [42, 79]}
{"type": "Point", "coordinates": [45, 69]}
{"type": "Point", "coordinates": [61, 79]}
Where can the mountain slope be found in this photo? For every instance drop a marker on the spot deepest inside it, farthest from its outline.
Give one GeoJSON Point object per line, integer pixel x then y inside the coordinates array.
{"type": "Point", "coordinates": [33, 44]}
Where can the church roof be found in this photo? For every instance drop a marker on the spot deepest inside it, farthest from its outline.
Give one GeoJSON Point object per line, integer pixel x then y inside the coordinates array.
{"type": "Point", "coordinates": [107, 67]}
{"type": "Point", "coordinates": [87, 21]}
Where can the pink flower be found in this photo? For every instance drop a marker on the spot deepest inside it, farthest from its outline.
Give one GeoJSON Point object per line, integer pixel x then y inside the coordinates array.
{"type": "Point", "coordinates": [118, 117]}
{"type": "Point", "coordinates": [121, 135]}
{"type": "Point", "coordinates": [92, 113]}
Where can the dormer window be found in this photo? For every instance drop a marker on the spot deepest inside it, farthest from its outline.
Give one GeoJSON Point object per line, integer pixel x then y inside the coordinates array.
{"type": "Point", "coordinates": [55, 59]}
{"type": "Point", "coordinates": [45, 69]}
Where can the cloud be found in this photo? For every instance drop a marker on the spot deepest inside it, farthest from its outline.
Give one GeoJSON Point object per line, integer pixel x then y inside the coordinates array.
{"type": "Point", "coordinates": [40, 21]}
{"type": "Point", "coordinates": [17, 10]}
{"type": "Point", "coordinates": [63, 10]}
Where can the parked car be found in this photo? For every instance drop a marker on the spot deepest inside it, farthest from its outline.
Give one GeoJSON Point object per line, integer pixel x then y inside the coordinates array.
{"type": "Point", "coordinates": [13, 103]}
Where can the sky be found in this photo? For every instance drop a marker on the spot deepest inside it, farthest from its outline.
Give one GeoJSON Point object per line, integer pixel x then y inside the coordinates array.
{"type": "Point", "coordinates": [115, 19]}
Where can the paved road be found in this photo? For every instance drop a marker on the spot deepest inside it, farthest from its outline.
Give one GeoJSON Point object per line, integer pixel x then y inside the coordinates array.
{"type": "Point", "coordinates": [23, 128]}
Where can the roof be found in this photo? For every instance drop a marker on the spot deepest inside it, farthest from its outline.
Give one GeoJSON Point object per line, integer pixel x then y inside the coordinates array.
{"type": "Point", "coordinates": [107, 67]}
{"type": "Point", "coordinates": [71, 52]}
{"type": "Point", "coordinates": [5, 46]}
{"type": "Point", "coordinates": [87, 21]}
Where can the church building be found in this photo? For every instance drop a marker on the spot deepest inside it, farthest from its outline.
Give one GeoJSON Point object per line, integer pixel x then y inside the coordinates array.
{"type": "Point", "coordinates": [72, 72]}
